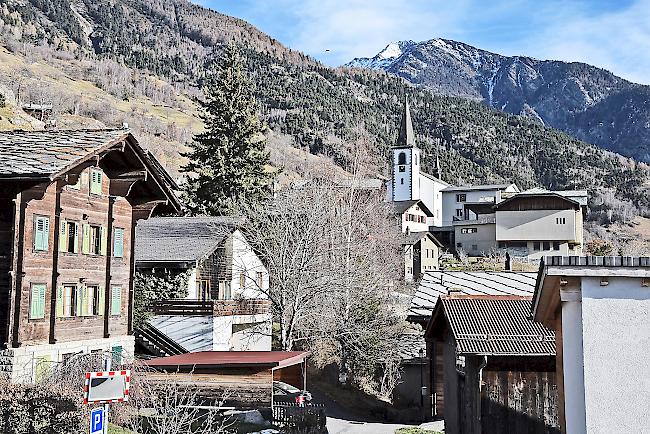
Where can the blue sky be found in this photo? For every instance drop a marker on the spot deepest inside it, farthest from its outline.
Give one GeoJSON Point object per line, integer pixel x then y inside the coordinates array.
{"type": "Point", "coordinates": [613, 34]}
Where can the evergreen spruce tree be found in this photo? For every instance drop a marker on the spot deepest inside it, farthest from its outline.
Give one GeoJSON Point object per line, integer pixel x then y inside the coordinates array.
{"type": "Point", "coordinates": [227, 166]}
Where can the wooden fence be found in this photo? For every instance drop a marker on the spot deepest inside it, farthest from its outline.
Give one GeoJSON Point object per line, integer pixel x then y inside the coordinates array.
{"type": "Point", "coordinates": [211, 307]}
{"type": "Point", "coordinates": [519, 402]}
{"type": "Point", "coordinates": [291, 415]}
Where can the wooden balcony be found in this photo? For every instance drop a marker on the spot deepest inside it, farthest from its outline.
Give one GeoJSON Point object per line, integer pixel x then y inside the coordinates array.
{"type": "Point", "coordinates": [211, 307]}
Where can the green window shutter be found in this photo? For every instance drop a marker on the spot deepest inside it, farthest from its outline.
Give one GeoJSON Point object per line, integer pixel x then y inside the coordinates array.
{"type": "Point", "coordinates": [75, 248]}
{"type": "Point", "coordinates": [85, 233]}
{"type": "Point", "coordinates": [37, 302]}
{"type": "Point", "coordinates": [63, 237]}
{"type": "Point", "coordinates": [41, 233]}
{"type": "Point", "coordinates": [101, 303]}
{"type": "Point", "coordinates": [59, 301]}
{"type": "Point", "coordinates": [116, 300]}
{"type": "Point", "coordinates": [103, 234]}
{"type": "Point", "coordinates": [118, 243]}
{"type": "Point", "coordinates": [78, 301]}
{"type": "Point", "coordinates": [116, 354]}
{"type": "Point", "coordinates": [96, 182]}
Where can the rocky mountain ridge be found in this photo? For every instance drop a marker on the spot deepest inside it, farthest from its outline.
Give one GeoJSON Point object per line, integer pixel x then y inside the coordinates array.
{"type": "Point", "coordinates": [587, 102]}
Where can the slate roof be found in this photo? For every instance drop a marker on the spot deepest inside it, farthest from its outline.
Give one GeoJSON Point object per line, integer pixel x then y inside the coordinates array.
{"type": "Point", "coordinates": [406, 137]}
{"type": "Point", "coordinates": [437, 283]}
{"type": "Point", "coordinates": [410, 345]}
{"type": "Point", "coordinates": [413, 237]}
{"type": "Point", "coordinates": [401, 206]}
{"type": "Point", "coordinates": [485, 325]}
{"type": "Point", "coordinates": [43, 154]}
{"type": "Point", "coordinates": [181, 239]}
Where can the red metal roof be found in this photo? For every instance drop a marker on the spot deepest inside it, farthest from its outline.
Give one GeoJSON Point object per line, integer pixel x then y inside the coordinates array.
{"type": "Point", "coordinates": [270, 359]}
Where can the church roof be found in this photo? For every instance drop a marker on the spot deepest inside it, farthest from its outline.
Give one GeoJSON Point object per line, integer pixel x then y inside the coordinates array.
{"type": "Point", "coordinates": [406, 138]}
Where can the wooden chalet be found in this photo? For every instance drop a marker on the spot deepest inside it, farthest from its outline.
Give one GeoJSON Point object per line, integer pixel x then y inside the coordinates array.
{"type": "Point", "coordinates": [497, 366]}
{"type": "Point", "coordinates": [69, 203]}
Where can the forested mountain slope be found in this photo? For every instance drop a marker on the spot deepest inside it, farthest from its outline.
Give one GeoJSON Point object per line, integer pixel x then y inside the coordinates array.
{"type": "Point", "coordinates": [161, 50]}
{"type": "Point", "coordinates": [587, 102]}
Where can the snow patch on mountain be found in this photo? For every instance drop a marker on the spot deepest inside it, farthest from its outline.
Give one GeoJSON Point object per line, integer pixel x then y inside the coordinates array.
{"type": "Point", "coordinates": [384, 59]}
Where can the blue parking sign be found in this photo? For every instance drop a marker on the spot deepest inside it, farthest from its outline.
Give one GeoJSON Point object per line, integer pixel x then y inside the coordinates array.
{"type": "Point", "coordinates": [97, 421]}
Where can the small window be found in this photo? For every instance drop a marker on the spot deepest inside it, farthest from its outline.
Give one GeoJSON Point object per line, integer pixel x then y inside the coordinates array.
{"type": "Point", "coordinates": [118, 243]}
{"type": "Point", "coordinates": [116, 300]}
{"type": "Point", "coordinates": [96, 182]}
{"type": "Point", "coordinates": [401, 181]}
{"type": "Point", "coordinates": [242, 280]}
{"type": "Point", "coordinates": [556, 246]}
{"type": "Point", "coordinates": [461, 197]}
{"type": "Point", "coordinates": [76, 185]}
{"type": "Point", "coordinates": [401, 158]}
{"type": "Point", "coordinates": [97, 300]}
{"type": "Point", "coordinates": [536, 246]}
{"type": "Point", "coordinates": [459, 245]}
{"type": "Point", "coordinates": [547, 245]}
{"type": "Point", "coordinates": [259, 279]}
{"type": "Point", "coordinates": [474, 247]}
{"type": "Point", "coordinates": [224, 290]}
{"type": "Point", "coordinates": [459, 212]}
{"type": "Point", "coordinates": [415, 158]}
{"type": "Point", "coordinates": [37, 301]}
{"type": "Point", "coordinates": [94, 240]}
{"type": "Point", "coordinates": [66, 301]}
{"type": "Point", "coordinates": [560, 220]}
{"type": "Point", "coordinates": [203, 287]}
{"type": "Point", "coordinates": [69, 237]}
{"type": "Point", "coordinates": [41, 233]}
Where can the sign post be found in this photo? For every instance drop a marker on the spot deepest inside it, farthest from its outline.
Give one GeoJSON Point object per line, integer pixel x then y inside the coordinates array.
{"type": "Point", "coordinates": [105, 388]}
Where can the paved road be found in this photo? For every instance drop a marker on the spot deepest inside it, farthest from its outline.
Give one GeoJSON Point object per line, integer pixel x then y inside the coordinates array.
{"type": "Point", "coordinates": [343, 421]}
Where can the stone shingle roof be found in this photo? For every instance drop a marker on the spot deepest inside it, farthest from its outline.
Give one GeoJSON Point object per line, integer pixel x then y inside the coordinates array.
{"type": "Point", "coordinates": [498, 283]}
{"type": "Point", "coordinates": [487, 325]}
{"type": "Point", "coordinates": [46, 153]}
{"type": "Point", "coordinates": [181, 239]}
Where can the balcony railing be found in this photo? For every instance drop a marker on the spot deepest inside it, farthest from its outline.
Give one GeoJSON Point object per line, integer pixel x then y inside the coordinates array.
{"type": "Point", "coordinates": [211, 307]}
{"type": "Point", "coordinates": [478, 221]}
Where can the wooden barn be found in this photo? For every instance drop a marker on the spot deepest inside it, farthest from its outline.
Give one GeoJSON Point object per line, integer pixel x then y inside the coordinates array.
{"type": "Point", "coordinates": [245, 378]}
{"type": "Point", "coordinates": [496, 366]}
{"type": "Point", "coordinates": [69, 203]}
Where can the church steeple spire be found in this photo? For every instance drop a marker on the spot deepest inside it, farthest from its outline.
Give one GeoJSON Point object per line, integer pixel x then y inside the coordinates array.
{"type": "Point", "coordinates": [406, 138]}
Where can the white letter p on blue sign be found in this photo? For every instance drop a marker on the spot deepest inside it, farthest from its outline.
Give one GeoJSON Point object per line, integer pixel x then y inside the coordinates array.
{"type": "Point", "coordinates": [97, 421]}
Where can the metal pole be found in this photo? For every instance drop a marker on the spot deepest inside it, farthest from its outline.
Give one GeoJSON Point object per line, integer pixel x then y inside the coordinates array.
{"type": "Point", "coordinates": [107, 367]}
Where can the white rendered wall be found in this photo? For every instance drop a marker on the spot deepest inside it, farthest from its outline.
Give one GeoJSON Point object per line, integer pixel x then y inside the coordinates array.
{"type": "Point", "coordinates": [414, 226]}
{"type": "Point", "coordinates": [536, 225]}
{"type": "Point", "coordinates": [572, 357]}
{"type": "Point", "coordinates": [247, 262]}
{"type": "Point", "coordinates": [431, 196]}
{"type": "Point", "coordinates": [404, 186]}
{"type": "Point", "coordinates": [191, 286]}
{"type": "Point", "coordinates": [616, 336]}
{"type": "Point", "coordinates": [449, 204]}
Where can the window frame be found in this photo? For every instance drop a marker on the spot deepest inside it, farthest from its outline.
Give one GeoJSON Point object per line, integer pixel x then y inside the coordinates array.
{"type": "Point", "coordinates": [92, 182]}
{"type": "Point", "coordinates": [117, 230]}
{"type": "Point", "coordinates": [461, 197]}
{"type": "Point", "coordinates": [112, 301]}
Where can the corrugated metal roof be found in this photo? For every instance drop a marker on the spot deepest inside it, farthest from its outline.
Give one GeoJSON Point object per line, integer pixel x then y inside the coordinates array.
{"type": "Point", "coordinates": [181, 239]}
{"type": "Point", "coordinates": [437, 283]}
{"type": "Point", "coordinates": [43, 153]}
{"type": "Point", "coordinates": [496, 326]}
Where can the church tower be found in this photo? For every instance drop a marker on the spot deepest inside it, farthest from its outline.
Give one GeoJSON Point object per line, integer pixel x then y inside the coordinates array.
{"type": "Point", "coordinates": [406, 161]}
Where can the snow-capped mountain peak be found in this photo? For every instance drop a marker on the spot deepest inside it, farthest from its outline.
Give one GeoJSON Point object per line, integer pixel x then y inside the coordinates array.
{"type": "Point", "coordinates": [384, 58]}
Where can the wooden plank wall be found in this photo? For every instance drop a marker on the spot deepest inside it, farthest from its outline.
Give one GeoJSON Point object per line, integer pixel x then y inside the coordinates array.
{"type": "Point", "coordinates": [519, 402]}
{"type": "Point", "coordinates": [242, 387]}
{"type": "Point", "coordinates": [83, 208]}
{"type": "Point", "coordinates": [290, 375]}
{"type": "Point", "coordinates": [6, 257]}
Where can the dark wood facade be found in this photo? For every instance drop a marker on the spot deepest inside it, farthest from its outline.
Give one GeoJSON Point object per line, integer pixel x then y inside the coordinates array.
{"type": "Point", "coordinates": [88, 206]}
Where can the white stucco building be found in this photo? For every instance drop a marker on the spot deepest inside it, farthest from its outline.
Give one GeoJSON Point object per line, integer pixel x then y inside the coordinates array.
{"type": "Point", "coordinates": [599, 308]}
